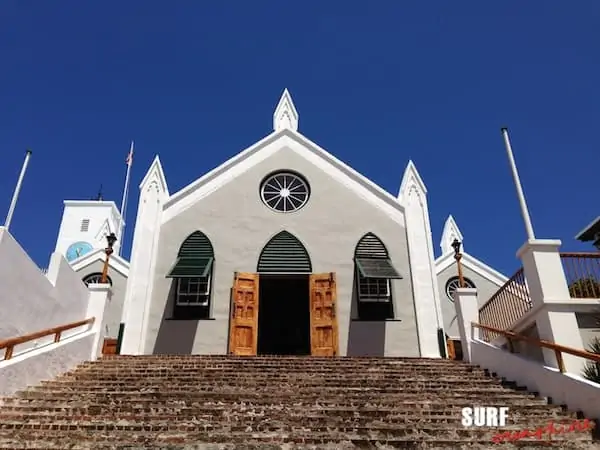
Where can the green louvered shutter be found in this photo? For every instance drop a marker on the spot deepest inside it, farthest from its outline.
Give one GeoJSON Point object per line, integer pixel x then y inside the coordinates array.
{"type": "Point", "coordinates": [196, 245]}
{"type": "Point", "coordinates": [372, 260]}
{"type": "Point", "coordinates": [284, 254]}
{"type": "Point", "coordinates": [370, 246]}
{"type": "Point", "coordinates": [195, 258]}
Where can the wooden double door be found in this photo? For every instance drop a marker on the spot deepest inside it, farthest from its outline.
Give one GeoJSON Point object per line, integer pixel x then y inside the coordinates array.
{"type": "Point", "coordinates": [454, 349]}
{"type": "Point", "coordinates": [321, 301]}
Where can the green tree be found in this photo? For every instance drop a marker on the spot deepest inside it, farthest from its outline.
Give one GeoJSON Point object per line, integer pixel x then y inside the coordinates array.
{"type": "Point", "coordinates": [591, 371]}
{"type": "Point", "coordinates": [586, 287]}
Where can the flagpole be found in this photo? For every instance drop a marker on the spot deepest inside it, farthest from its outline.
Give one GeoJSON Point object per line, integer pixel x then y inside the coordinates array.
{"type": "Point", "coordinates": [124, 200]}
{"type": "Point", "coordinates": [13, 203]}
{"type": "Point", "coordinates": [517, 181]}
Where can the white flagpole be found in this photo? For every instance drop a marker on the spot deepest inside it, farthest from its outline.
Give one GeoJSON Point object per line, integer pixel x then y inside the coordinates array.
{"type": "Point", "coordinates": [517, 180]}
{"type": "Point", "coordinates": [13, 203]}
{"type": "Point", "coordinates": [124, 200]}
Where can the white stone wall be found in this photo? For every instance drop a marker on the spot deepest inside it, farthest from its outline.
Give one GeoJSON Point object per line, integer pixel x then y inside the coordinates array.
{"type": "Point", "coordinates": [31, 301]}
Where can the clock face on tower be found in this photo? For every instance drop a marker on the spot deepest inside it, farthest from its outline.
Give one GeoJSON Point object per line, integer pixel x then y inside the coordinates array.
{"type": "Point", "coordinates": [78, 249]}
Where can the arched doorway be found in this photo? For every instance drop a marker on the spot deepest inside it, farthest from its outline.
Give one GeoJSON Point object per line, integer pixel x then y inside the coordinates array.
{"type": "Point", "coordinates": [284, 267]}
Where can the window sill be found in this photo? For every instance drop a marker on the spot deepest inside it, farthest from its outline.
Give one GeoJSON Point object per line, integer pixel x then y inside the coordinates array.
{"type": "Point", "coordinates": [375, 320]}
{"type": "Point", "coordinates": [190, 318]}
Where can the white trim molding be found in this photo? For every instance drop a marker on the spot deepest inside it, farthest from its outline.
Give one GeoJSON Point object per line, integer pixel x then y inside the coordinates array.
{"type": "Point", "coordinates": [472, 263]}
{"type": "Point", "coordinates": [250, 157]}
{"type": "Point", "coordinates": [115, 263]}
{"type": "Point", "coordinates": [427, 304]}
{"type": "Point", "coordinates": [138, 296]}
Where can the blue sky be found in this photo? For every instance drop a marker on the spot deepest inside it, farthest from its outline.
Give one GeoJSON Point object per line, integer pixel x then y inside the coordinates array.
{"type": "Point", "coordinates": [375, 83]}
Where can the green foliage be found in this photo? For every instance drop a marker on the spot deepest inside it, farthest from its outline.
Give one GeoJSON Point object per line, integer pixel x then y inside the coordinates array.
{"type": "Point", "coordinates": [591, 370]}
{"type": "Point", "coordinates": [585, 288]}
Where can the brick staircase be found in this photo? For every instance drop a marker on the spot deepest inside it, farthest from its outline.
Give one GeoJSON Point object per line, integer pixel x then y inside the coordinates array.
{"type": "Point", "coordinates": [179, 402]}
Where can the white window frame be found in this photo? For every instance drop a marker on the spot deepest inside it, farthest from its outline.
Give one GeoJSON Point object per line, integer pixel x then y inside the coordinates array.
{"type": "Point", "coordinates": [453, 283]}
{"type": "Point", "coordinates": [371, 298]}
{"type": "Point", "coordinates": [202, 297]}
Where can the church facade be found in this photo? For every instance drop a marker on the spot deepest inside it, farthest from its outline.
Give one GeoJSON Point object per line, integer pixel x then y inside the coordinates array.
{"type": "Point", "coordinates": [284, 249]}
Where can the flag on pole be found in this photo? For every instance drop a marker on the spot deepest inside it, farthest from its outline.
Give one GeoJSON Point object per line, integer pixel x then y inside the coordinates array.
{"type": "Point", "coordinates": [129, 159]}
{"type": "Point", "coordinates": [128, 162]}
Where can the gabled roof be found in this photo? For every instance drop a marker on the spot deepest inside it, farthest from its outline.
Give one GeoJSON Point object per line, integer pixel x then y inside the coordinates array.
{"type": "Point", "coordinates": [115, 263]}
{"type": "Point", "coordinates": [472, 263]}
{"type": "Point", "coordinates": [590, 232]}
{"type": "Point", "coordinates": [451, 232]}
{"type": "Point", "coordinates": [96, 204]}
{"type": "Point", "coordinates": [269, 145]}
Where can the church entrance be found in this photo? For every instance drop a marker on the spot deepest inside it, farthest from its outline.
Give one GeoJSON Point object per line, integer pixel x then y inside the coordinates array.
{"type": "Point", "coordinates": [284, 308]}
{"type": "Point", "coordinates": [297, 316]}
{"type": "Point", "coordinates": [284, 315]}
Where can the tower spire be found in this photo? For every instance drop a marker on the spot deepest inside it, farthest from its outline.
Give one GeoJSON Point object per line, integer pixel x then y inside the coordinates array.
{"type": "Point", "coordinates": [285, 116]}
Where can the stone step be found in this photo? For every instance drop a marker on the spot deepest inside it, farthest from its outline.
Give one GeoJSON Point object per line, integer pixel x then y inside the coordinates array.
{"type": "Point", "coordinates": [110, 359]}
{"type": "Point", "coordinates": [277, 374]}
{"type": "Point", "coordinates": [275, 382]}
{"type": "Point", "coordinates": [194, 371]}
{"type": "Point", "coordinates": [277, 367]}
{"type": "Point", "coordinates": [422, 401]}
{"type": "Point", "coordinates": [310, 361]}
{"type": "Point", "coordinates": [91, 433]}
{"type": "Point", "coordinates": [462, 444]}
{"type": "Point", "coordinates": [223, 386]}
{"type": "Point", "coordinates": [270, 365]}
{"type": "Point", "coordinates": [395, 410]}
{"type": "Point", "coordinates": [271, 402]}
{"type": "Point", "coordinates": [202, 432]}
{"type": "Point", "coordinates": [478, 396]}
{"type": "Point", "coordinates": [264, 423]}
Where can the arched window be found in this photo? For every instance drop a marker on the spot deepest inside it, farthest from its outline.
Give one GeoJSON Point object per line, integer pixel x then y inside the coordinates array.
{"type": "Point", "coordinates": [95, 277]}
{"type": "Point", "coordinates": [192, 273]}
{"type": "Point", "coordinates": [373, 273]}
{"type": "Point", "coordinates": [454, 283]}
{"type": "Point", "coordinates": [284, 253]}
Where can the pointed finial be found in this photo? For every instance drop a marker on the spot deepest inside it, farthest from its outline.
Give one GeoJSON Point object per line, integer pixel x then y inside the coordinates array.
{"type": "Point", "coordinates": [450, 234]}
{"type": "Point", "coordinates": [285, 116]}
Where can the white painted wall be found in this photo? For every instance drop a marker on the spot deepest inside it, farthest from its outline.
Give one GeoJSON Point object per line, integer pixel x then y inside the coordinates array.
{"type": "Point", "coordinates": [574, 391]}
{"type": "Point", "coordinates": [104, 219]}
{"type": "Point", "coordinates": [31, 301]}
{"type": "Point", "coordinates": [44, 363]}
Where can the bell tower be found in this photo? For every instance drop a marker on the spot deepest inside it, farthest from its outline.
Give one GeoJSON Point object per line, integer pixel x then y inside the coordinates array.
{"type": "Point", "coordinates": [85, 225]}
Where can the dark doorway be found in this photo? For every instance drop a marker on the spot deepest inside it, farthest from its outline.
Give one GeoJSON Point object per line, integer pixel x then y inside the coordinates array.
{"type": "Point", "coordinates": [283, 315]}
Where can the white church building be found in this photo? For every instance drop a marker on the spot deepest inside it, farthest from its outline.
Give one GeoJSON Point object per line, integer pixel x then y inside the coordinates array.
{"type": "Point", "coordinates": [285, 250]}
{"type": "Point", "coordinates": [282, 249]}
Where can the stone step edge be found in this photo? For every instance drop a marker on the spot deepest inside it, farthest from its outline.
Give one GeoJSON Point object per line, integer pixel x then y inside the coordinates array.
{"type": "Point", "coordinates": [263, 401]}
{"type": "Point", "coordinates": [490, 397]}
{"type": "Point", "coordinates": [235, 407]}
{"type": "Point", "coordinates": [202, 428]}
{"type": "Point", "coordinates": [317, 437]}
{"type": "Point", "coordinates": [228, 389]}
{"type": "Point", "coordinates": [245, 417]}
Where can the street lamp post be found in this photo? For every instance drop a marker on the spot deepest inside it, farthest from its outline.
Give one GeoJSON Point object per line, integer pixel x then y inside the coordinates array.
{"type": "Point", "coordinates": [457, 256]}
{"type": "Point", "coordinates": [111, 239]}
